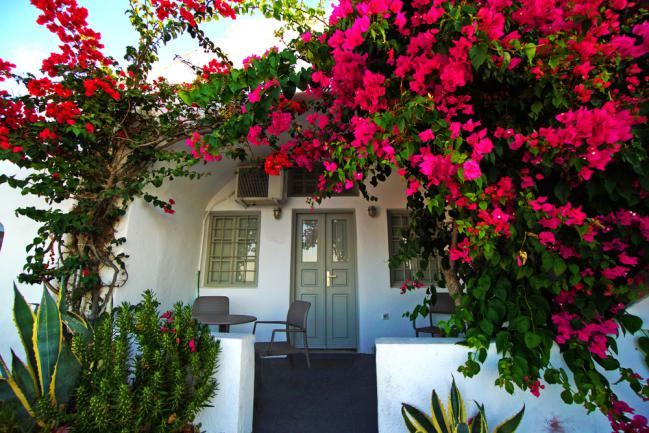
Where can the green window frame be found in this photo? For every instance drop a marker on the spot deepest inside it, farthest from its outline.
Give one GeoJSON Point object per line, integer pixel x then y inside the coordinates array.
{"type": "Point", "coordinates": [232, 249]}
{"type": "Point", "coordinates": [398, 222]}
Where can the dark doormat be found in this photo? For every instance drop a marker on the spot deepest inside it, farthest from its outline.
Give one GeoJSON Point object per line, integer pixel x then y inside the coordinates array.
{"type": "Point", "coordinates": [337, 395]}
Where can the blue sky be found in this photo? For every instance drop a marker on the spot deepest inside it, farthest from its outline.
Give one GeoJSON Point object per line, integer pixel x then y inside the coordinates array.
{"type": "Point", "coordinates": [25, 43]}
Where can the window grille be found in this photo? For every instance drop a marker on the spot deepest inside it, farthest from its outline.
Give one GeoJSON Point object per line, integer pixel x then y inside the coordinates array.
{"type": "Point", "coordinates": [232, 250]}
{"type": "Point", "coordinates": [398, 223]}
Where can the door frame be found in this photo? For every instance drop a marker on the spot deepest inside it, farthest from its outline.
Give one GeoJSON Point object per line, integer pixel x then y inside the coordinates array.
{"type": "Point", "coordinates": [292, 291]}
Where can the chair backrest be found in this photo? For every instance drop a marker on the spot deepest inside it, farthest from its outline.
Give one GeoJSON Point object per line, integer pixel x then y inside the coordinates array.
{"type": "Point", "coordinates": [444, 305]}
{"type": "Point", "coordinates": [297, 313]}
{"type": "Point", "coordinates": [211, 305]}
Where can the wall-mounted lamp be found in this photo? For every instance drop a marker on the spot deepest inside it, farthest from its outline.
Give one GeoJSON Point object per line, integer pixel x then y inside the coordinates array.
{"type": "Point", "coordinates": [277, 213]}
{"type": "Point", "coordinates": [372, 211]}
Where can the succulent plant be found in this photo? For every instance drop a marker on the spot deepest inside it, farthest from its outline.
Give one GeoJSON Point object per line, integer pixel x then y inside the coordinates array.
{"type": "Point", "coordinates": [454, 419]}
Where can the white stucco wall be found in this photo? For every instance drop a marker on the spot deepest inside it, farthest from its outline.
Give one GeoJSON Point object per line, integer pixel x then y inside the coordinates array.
{"type": "Point", "coordinates": [408, 369]}
{"type": "Point", "coordinates": [164, 254]}
{"type": "Point", "coordinates": [19, 232]}
{"type": "Point", "coordinates": [232, 408]}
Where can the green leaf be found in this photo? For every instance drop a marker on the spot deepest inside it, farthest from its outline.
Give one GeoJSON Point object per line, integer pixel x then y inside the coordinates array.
{"type": "Point", "coordinates": [24, 318]}
{"type": "Point", "coordinates": [462, 428]}
{"type": "Point", "coordinates": [487, 327]}
{"type": "Point", "coordinates": [643, 344]}
{"type": "Point", "coordinates": [532, 340]}
{"type": "Point", "coordinates": [609, 363]}
{"type": "Point", "coordinates": [439, 416]}
{"type": "Point", "coordinates": [78, 326]}
{"type": "Point", "coordinates": [47, 339]}
{"type": "Point", "coordinates": [566, 396]}
{"type": "Point", "coordinates": [547, 261]}
{"type": "Point", "coordinates": [415, 419]}
{"type": "Point", "coordinates": [520, 324]}
{"type": "Point", "coordinates": [478, 55]}
{"type": "Point", "coordinates": [406, 420]}
{"type": "Point", "coordinates": [24, 378]}
{"type": "Point", "coordinates": [456, 404]}
{"type": "Point", "coordinates": [479, 423]}
{"type": "Point", "coordinates": [510, 425]}
{"type": "Point", "coordinates": [530, 52]}
{"type": "Point", "coordinates": [559, 266]}
{"type": "Point", "coordinates": [630, 322]}
{"type": "Point", "coordinates": [66, 373]}
{"type": "Point", "coordinates": [562, 191]}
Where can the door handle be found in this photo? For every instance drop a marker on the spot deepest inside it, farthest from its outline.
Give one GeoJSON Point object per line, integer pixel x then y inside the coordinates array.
{"type": "Point", "coordinates": [330, 277]}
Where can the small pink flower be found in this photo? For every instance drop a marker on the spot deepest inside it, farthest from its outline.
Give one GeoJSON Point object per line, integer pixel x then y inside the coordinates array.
{"type": "Point", "coordinates": [426, 135]}
{"type": "Point", "coordinates": [628, 260]}
{"type": "Point", "coordinates": [306, 37]}
{"type": "Point", "coordinates": [471, 170]}
{"type": "Point", "coordinates": [192, 345]}
{"type": "Point", "coordinates": [547, 238]}
{"type": "Point", "coordinates": [330, 166]}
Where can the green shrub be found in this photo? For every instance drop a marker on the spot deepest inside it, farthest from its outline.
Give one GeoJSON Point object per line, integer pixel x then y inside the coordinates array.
{"type": "Point", "coordinates": [144, 372]}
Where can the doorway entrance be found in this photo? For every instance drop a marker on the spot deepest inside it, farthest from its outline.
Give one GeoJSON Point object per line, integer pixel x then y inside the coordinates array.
{"type": "Point", "coordinates": [324, 266]}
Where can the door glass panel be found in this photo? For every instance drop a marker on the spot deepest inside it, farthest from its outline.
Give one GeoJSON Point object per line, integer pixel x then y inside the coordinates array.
{"type": "Point", "coordinates": [310, 241]}
{"type": "Point", "coordinates": [339, 240]}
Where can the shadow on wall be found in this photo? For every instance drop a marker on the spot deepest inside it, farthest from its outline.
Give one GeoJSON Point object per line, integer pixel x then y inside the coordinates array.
{"type": "Point", "coordinates": [2, 235]}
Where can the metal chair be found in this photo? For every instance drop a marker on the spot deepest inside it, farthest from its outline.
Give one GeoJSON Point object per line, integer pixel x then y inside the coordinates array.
{"type": "Point", "coordinates": [295, 323]}
{"type": "Point", "coordinates": [444, 305]}
{"type": "Point", "coordinates": [205, 306]}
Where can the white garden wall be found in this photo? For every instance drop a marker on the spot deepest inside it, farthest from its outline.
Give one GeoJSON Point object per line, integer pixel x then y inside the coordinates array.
{"type": "Point", "coordinates": [232, 408]}
{"type": "Point", "coordinates": [408, 369]}
{"type": "Point", "coordinates": [19, 232]}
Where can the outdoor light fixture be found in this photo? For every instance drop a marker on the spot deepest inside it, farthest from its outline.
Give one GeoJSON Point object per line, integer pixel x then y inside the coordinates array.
{"type": "Point", "coordinates": [277, 213]}
{"type": "Point", "coordinates": [372, 211]}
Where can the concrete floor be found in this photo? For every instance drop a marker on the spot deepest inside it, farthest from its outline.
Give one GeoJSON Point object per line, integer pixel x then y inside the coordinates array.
{"type": "Point", "coordinates": [337, 395]}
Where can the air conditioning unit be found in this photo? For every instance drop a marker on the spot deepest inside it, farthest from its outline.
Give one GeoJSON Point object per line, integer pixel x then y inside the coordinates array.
{"type": "Point", "coordinates": [255, 187]}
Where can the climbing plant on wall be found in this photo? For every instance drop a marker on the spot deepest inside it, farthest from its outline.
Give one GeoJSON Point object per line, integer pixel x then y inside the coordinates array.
{"type": "Point", "coordinates": [96, 133]}
{"type": "Point", "coordinates": [519, 130]}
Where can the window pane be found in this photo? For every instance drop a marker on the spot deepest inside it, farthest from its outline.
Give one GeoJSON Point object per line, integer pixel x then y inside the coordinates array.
{"type": "Point", "coordinates": [398, 222]}
{"type": "Point", "coordinates": [310, 241]}
{"type": "Point", "coordinates": [339, 240]}
{"type": "Point", "coordinates": [232, 250]}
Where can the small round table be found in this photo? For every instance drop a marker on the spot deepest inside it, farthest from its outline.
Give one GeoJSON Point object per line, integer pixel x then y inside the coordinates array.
{"type": "Point", "coordinates": [224, 320]}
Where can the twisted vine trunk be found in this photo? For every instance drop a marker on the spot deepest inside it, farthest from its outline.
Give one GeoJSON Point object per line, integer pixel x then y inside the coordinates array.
{"type": "Point", "coordinates": [450, 273]}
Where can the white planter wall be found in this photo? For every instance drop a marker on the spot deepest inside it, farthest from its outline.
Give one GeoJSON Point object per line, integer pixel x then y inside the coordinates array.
{"type": "Point", "coordinates": [232, 407]}
{"type": "Point", "coordinates": [408, 369]}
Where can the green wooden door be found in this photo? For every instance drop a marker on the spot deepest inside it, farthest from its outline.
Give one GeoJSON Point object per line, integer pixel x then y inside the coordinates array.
{"type": "Point", "coordinates": [325, 276]}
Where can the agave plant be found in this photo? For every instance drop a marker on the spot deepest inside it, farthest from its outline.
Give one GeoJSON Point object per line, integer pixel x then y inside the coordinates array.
{"type": "Point", "coordinates": [47, 377]}
{"type": "Point", "coordinates": [454, 419]}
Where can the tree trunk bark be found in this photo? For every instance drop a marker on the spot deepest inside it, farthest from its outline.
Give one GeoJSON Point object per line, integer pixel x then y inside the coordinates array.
{"type": "Point", "coordinates": [450, 274]}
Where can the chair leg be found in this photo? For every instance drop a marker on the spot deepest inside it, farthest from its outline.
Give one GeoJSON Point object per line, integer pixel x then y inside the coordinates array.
{"type": "Point", "coordinates": [308, 360]}
{"type": "Point", "coordinates": [306, 351]}
{"type": "Point", "coordinates": [259, 365]}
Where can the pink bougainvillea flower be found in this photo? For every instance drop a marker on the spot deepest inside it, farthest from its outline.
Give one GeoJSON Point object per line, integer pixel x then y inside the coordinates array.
{"type": "Point", "coordinates": [426, 135]}
{"type": "Point", "coordinates": [330, 166]}
{"type": "Point", "coordinates": [280, 122]}
{"type": "Point", "coordinates": [628, 260]}
{"type": "Point", "coordinates": [547, 238]}
{"type": "Point", "coordinates": [471, 170]}
{"type": "Point", "coordinates": [192, 345]}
